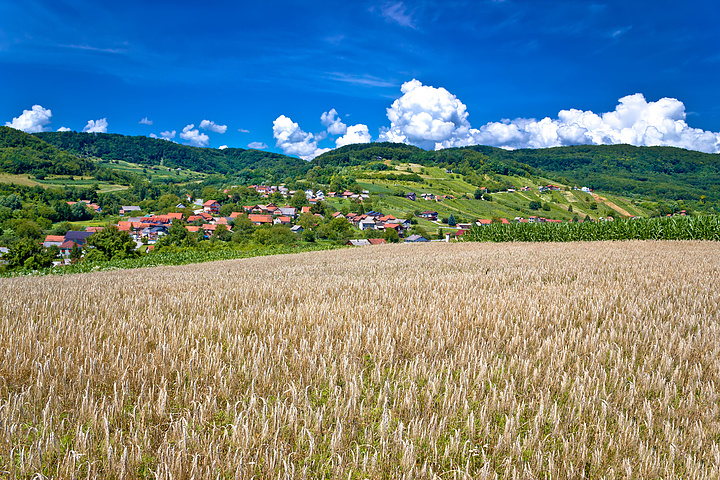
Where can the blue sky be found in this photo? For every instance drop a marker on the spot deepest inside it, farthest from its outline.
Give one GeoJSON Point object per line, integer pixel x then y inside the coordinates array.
{"type": "Point", "coordinates": [485, 71]}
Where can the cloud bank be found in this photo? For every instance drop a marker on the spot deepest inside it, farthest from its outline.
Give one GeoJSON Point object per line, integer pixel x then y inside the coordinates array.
{"type": "Point", "coordinates": [193, 135]}
{"type": "Point", "coordinates": [31, 121]}
{"type": "Point", "coordinates": [213, 127]}
{"type": "Point", "coordinates": [96, 126]}
{"type": "Point", "coordinates": [433, 118]}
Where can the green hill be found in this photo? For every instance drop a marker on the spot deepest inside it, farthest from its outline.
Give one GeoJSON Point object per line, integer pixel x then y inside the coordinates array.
{"type": "Point", "coordinates": [661, 173]}
{"type": "Point", "coordinates": [21, 153]}
{"type": "Point", "coordinates": [246, 165]}
{"type": "Point", "coordinates": [658, 172]}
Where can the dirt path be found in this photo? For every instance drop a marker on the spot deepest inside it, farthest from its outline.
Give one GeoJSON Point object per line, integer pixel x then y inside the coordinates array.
{"type": "Point", "coordinates": [611, 205]}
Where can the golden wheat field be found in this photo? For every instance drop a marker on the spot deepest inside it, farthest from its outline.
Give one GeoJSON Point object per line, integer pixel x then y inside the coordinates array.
{"type": "Point", "coordinates": [592, 360]}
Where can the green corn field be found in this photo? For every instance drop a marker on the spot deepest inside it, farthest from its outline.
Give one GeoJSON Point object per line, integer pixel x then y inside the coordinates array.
{"type": "Point", "coordinates": [705, 227]}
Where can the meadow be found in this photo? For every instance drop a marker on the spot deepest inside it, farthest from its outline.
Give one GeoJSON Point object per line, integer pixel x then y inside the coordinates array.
{"type": "Point", "coordinates": [435, 361]}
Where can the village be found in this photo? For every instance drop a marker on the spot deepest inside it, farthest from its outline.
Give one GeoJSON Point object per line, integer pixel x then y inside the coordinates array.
{"type": "Point", "coordinates": [206, 219]}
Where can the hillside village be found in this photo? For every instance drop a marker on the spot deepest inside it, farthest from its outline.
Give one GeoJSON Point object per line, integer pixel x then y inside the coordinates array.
{"type": "Point", "coordinates": [206, 221]}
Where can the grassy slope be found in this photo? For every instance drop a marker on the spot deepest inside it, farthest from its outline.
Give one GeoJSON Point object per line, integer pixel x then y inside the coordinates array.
{"type": "Point", "coordinates": [464, 206]}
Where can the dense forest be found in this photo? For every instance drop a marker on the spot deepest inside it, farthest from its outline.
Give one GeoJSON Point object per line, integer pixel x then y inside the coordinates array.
{"type": "Point", "coordinates": [22, 153]}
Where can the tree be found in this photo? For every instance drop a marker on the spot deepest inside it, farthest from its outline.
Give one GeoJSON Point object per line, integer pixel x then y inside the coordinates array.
{"type": "Point", "coordinates": [222, 233]}
{"type": "Point", "coordinates": [28, 253]}
{"type": "Point", "coordinates": [391, 235]}
{"type": "Point", "coordinates": [167, 203]}
{"type": "Point", "coordinates": [113, 243]}
{"type": "Point", "coordinates": [243, 228]}
{"type": "Point", "coordinates": [26, 228]}
{"type": "Point", "coordinates": [227, 209]}
{"type": "Point", "coordinates": [535, 205]}
{"type": "Point", "coordinates": [12, 201]}
{"type": "Point", "coordinates": [451, 220]}
{"type": "Point", "coordinates": [80, 212]}
{"type": "Point", "coordinates": [75, 254]}
{"type": "Point", "coordinates": [178, 236]}
{"type": "Point", "coordinates": [308, 235]}
{"type": "Point", "coordinates": [318, 207]}
{"type": "Point", "coordinates": [299, 200]}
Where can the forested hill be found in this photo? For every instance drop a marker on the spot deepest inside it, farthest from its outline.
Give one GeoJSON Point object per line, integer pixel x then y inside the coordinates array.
{"type": "Point", "coordinates": [666, 172]}
{"type": "Point", "coordinates": [21, 153]}
{"type": "Point", "coordinates": [241, 163]}
{"type": "Point", "coordinates": [659, 172]}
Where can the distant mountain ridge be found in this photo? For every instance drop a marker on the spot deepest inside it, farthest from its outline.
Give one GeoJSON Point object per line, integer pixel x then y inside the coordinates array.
{"type": "Point", "coordinates": [658, 172]}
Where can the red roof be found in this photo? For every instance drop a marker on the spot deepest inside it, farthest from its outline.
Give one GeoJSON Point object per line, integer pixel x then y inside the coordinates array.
{"type": "Point", "coordinates": [260, 218]}
{"type": "Point", "coordinates": [305, 209]}
{"type": "Point", "coordinates": [237, 214]}
{"type": "Point", "coordinates": [376, 241]}
{"type": "Point", "coordinates": [175, 215]}
{"type": "Point", "coordinates": [484, 221]}
{"type": "Point", "coordinates": [55, 238]}
{"type": "Point", "coordinates": [192, 228]}
{"type": "Point", "coordinates": [67, 245]}
{"type": "Point", "coordinates": [392, 225]}
{"type": "Point", "coordinates": [209, 203]}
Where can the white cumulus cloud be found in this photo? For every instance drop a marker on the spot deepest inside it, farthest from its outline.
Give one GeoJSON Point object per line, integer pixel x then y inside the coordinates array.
{"type": "Point", "coordinates": [432, 117]}
{"type": "Point", "coordinates": [168, 135]}
{"type": "Point", "coordinates": [333, 124]}
{"type": "Point", "coordinates": [425, 116]}
{"type": "Point", "coordinates": [222, 147]}
{"type": "Point", "coordinates": [145, 121]}
{"type": "Point", "coordinates": [64, 129]}
{"type": "Point", "coordinates": [257, 145]}
{"type": "Point", "coordinates": [294, 141]}
{"type": "Point", "coordinates": [193, 135]}
{"type": "Point", "coordinates": [212, 126]}
{"type": "Point", "coordinates": [96, 126]}
{"type": "Point", "coordinates": [355, 134]}
{"type": "Point", "coordinates": [31, 121]}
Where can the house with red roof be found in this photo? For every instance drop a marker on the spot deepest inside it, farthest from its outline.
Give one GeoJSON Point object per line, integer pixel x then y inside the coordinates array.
{"type": "Point", "coordinates": [282, 220]}
{"type": "Point", "coordinates": [261, 219]}
{"type": "Point", "coordinates": [53, 240]}
{"type": "Point", "coordinates": [212, 207]}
